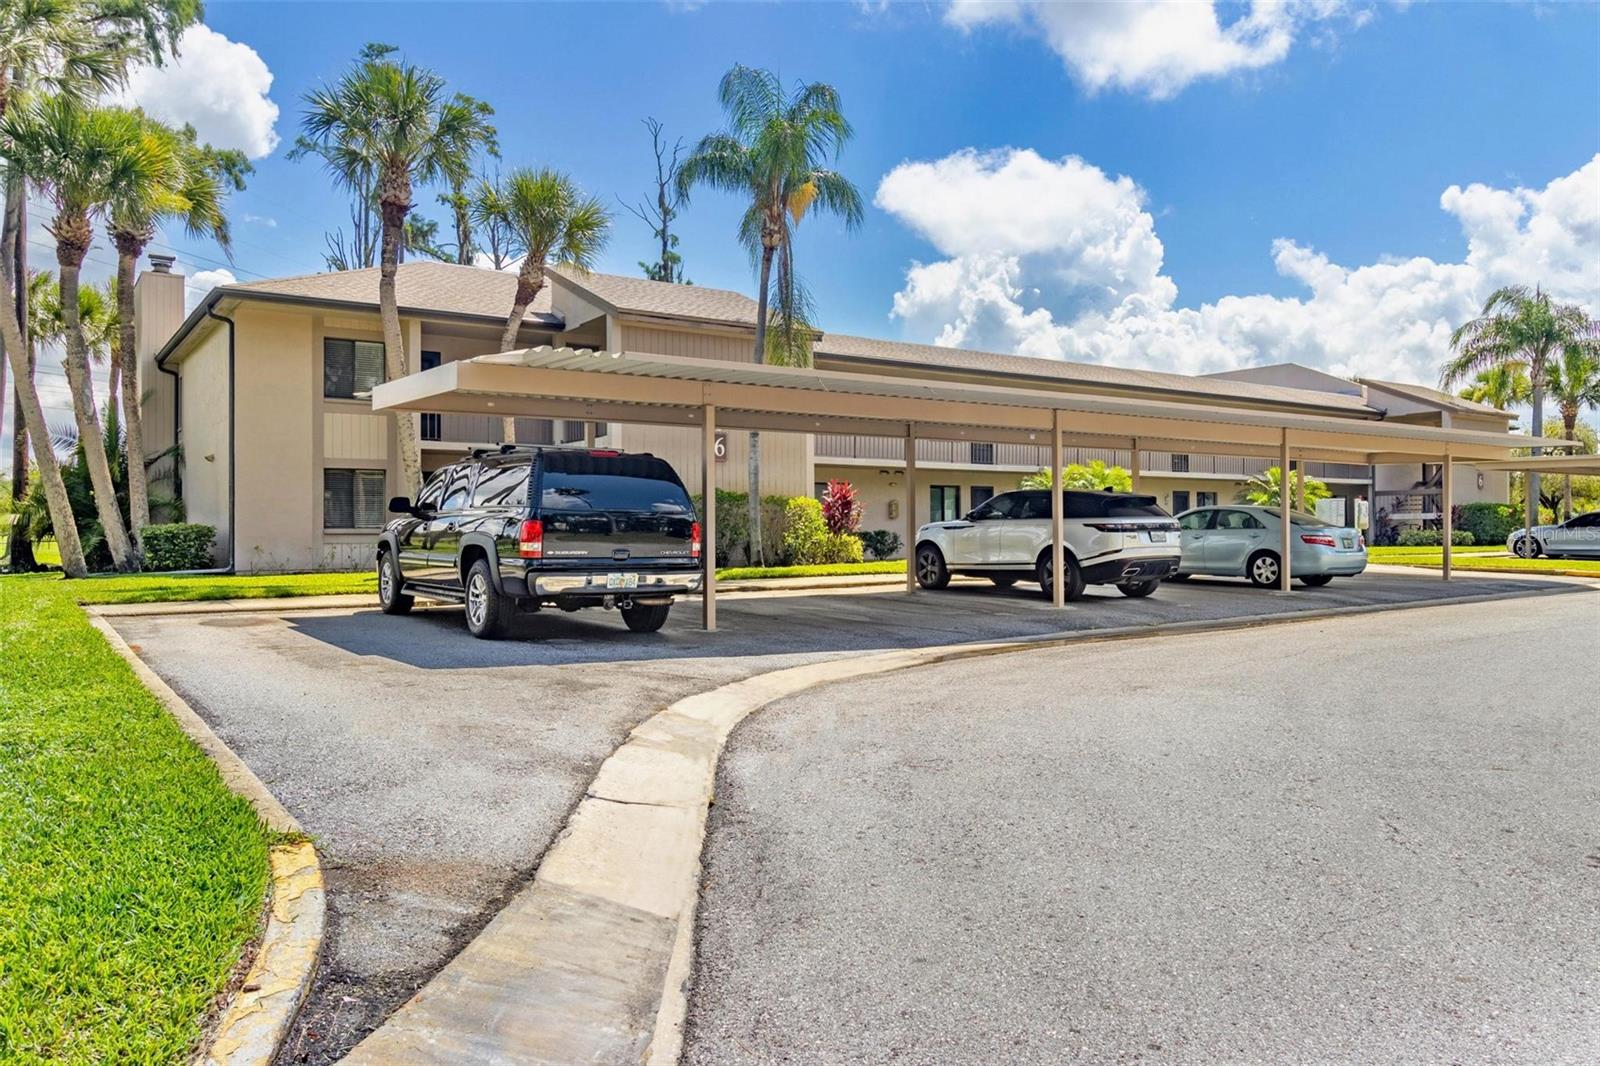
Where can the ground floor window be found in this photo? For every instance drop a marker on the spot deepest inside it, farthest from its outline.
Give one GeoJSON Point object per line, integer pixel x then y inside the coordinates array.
{"type": "Point", "coordinates": [944, 503]}
{"type": "Point", "coordinates": [352, 499]}
{"type": "Point", "coordinates": [1205, 499]}
{"type": "Point", "coordinates": [819, 489]}
{"type": "Point", "coordinates": [981, 494]}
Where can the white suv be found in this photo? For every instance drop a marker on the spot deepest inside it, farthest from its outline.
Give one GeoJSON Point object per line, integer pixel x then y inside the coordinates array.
{"type": "Point", "coordinates": [1110, 538]}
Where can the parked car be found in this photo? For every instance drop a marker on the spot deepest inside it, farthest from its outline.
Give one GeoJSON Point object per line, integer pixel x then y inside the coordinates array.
{"type": "Point", "coordinates": [1578, 535]}
{"type": "Point", "coordinates": [523, 528]}
{"type": "Point", "coordinates": [1245, 541]}
{"type": "Point", "coordinates": [1110, 538]}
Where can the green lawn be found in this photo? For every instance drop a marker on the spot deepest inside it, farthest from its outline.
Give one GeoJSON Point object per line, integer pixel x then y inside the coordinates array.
{"type": "Point", "coordinates": [744, 573]}
{"type": "Point", "coordinates": [130, 877]}
{"type": "Point", "coordinates": [1487, 558]}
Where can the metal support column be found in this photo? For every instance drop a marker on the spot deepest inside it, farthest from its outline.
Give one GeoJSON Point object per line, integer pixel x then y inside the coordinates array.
{"type": "Point", "coordinates": [1283, 508]}
{"type": "Point", "coordinates": [1446, 508]}
{"type": "Point", "coordinates": [708, 520]}
{"type": "Point", "coordinates": [911, 508]}
{"type": "Point", "coordinates": [1058, 585]}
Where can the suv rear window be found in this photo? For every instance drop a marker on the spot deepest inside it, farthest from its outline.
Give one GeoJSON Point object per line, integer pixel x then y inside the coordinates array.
{"type": "Point", "coordinates": [637, 483]}
{"type": "Point", "coordinates": [502, 486]}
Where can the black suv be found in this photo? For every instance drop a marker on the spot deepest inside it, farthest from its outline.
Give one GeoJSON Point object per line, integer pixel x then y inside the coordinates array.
{"type": "Point", "coordinates": [531, 527]}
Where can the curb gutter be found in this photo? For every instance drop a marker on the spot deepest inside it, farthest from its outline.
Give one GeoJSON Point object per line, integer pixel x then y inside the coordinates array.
{"type": "Point", "coordinates": [257, 1019]}
{"type": "Point", "coordinates": [591, 961]}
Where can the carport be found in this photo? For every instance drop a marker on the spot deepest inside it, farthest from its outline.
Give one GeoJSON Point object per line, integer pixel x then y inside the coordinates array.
{"type": "Point", "coordinates": [1570, 465]}
{"type": "Point", "coordinates": [707, 394]}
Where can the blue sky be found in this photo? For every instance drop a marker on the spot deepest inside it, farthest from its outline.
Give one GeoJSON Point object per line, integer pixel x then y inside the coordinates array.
{"type": "Point", "coordinates": [1203, 207]}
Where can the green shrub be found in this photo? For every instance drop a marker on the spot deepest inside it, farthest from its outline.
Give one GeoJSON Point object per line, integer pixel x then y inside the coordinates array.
{"type": "Point", "coordinates": [733, 527]}
{"type": "Point", "coordinates": [881, 543]}
{"type": "Point", "coordinates": [804, 530]}
{"type": "Point", "coordinates": [178, 546]}
{"type": "Point", "coordinates": [838, 548]}
{"type": "Point", "coordinates": [1433, 538]}
{"type": "Point", "coordinates": [1489, 523]}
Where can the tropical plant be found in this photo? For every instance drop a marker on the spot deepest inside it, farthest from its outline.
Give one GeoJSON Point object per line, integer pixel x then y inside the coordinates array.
{"type": "Point", "coordinates": [668, 203]}
{"type": "Point", "coordinates": [83, 159]}
{"type": "Point", "coordinates": [776, 152]}
{"type": "Point", "coordinates": [488, 215]}
{"type": "Point", "coordinates": [881, 543]}
{"type": "Point", "coordinates": [841, 507]}
{"type": "Point", "coordinates": [1093, 475]}
{"type": "Point", "coordinates": [551, 222]}
{"type": "Point", "coordinates": [1265, 489]}
{"type": "Point", "coordinates": [384, 127]}
{"type": "Point", "coordinates": [1523, 328]}
{"type": "Point", "coordinates": [1503, 386]}
{"type": "Point", "coordinates": [191, 192]}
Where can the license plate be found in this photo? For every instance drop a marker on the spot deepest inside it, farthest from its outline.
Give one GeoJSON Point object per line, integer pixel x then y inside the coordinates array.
{"type": "Point", "coordinates": [1348, 543]}
{"type": "Point", "coordinates": [622, 581]}
{"type": "Point", "coordinates": [1158, 537]}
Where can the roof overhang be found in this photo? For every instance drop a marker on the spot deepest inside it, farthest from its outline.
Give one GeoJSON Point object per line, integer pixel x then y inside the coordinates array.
{"type": "Point", "coordinates": [1583, 465]}
{"type": "Point", "coordinates": [666, 390]}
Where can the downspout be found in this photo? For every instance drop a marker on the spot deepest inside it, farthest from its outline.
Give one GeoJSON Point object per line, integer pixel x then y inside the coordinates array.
{"type": "Point", "coordinates": [233, 527]}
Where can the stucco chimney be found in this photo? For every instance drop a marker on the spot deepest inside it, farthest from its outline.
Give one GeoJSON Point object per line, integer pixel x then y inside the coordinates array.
{"type": "Point", "coordinates": [158, 312]}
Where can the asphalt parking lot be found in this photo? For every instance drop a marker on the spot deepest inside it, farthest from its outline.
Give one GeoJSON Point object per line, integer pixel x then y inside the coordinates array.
{"type": "Point", "coordinates": [1355, 839]}
{"type": "Point", "coordinates": [434, 769]}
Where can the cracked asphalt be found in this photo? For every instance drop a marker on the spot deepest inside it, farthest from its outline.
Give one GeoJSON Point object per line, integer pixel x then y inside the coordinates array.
{"type": "Point", "coordinates": [1361, 839]}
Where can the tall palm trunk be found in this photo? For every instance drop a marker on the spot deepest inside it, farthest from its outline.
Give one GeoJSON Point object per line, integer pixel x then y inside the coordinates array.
{"type": "Point", "coordinates": [72, 240]}
{"type": "Point", "coordinates": [32, 427]}
{"type": "Point", "coordinates": [395, 201]}
{"type": "Point", "coordinates": [530, 279]}
{"type": "Point", "coordinates": [129, 248]}
{"type": "Point", "coordinates": [1538, 431]}
{"type": "Point", "coordinates": [757, 554]}
{"type": "Point", "coordinates": [14, 262]}
{"type": "Point", "coordinates": [1569, 426]}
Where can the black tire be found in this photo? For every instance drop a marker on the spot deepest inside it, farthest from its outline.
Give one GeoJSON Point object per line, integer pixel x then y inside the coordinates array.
{"type": "Point", "coordinates": [1138, 590]}
{"type": "Point", "coordinates": [1263, 570]}
{"type": "Point", "coordinates": [1177, 577]}
{"type": "Point", "coordinates": [931, 571]}
{"type": "Point", "coordinates": [1526, 548]}
{"type": "Point", "coordinates": [1317, 581]}
{"type": "Point", "coordinates": [643, 618]}
{"type": "Point", "coordinates": [1075, 583]}
{"type": "Point", "coordinates": [1003, 582]}
{"type": "Point", "coordinates": [489, 612]}
{"type": "Point", "coordinates": [391, 600]}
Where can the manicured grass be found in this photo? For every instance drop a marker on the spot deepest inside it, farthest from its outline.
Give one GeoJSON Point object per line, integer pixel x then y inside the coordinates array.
{"type": "Point", "coordinates": [743, 573]}
{"type": "Point", "coordinates": [1508, 564]}
{"type": "Point", "coordinates": [161, 588]}
{"type": "Point", "coordinates": [1397, 551]}
{"type": "Point", "coordinates": [130, 877]}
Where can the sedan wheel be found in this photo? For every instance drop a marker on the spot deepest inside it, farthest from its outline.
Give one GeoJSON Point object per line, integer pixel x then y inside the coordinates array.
{"type": "Point", "coordinates": [1526, 548]}
{"type": "Point", "coordinates": [1263, 570]}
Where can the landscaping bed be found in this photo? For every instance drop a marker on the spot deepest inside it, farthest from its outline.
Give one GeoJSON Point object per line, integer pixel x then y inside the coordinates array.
{"type": "Point", "coordinates": [131, 879]}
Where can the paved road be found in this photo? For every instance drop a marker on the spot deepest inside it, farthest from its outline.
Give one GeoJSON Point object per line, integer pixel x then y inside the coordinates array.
{"type": "Point", "coordinates": [1345, 840]}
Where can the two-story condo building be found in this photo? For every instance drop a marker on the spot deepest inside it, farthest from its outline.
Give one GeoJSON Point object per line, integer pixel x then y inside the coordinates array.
{"type": "Point", "coordinates": [263, 386]}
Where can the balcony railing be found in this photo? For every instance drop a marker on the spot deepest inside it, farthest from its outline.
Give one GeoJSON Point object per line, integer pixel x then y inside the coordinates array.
{"type": "Point", "coordinates": [1410, 503]}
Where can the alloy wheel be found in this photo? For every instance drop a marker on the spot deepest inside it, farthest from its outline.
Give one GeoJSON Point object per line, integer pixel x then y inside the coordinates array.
{"type": "Point", "coordinates": [927, 567]}
{"type": "Point", "coordinates": [477, 600]}
{"type": "Point", "coordinates": [1265, 570]}
{"type": "Point", "coordinates": [385, 581]}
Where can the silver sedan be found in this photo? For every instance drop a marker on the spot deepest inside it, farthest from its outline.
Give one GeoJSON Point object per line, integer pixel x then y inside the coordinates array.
{"type": "Point", "coordinates": [1245, 540]}
{"type": "Point", "coordinates": [1578, 536]}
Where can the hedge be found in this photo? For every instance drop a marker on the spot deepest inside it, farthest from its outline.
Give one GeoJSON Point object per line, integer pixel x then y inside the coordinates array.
{"type": "Point", "coordinates": [1433, 538]}
{"type": "Point", "coordinates": [1489, 523]}
{"type": "Point", "coordinates": [178, 546]}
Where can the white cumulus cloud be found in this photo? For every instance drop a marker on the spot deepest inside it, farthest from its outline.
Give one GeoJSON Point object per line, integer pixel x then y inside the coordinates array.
{"type": "Point", "coordinates": [1153, 47]}
{"type": "Point", "coordinates": [216, 85]}
{"type": "Point", "coordinates": [1056, 259]}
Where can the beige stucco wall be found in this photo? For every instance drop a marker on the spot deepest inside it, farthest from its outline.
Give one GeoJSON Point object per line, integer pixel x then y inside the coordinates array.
{"type": "Point", "coordinates": [205, 437]}
{"type": "Point", "coordinates": [158, 312]}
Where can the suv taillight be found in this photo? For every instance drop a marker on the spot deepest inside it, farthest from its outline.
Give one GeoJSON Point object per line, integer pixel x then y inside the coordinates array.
{"type": "Point", "coordinates": [1319, 538]}
{"type": "Point", "coordinates": [694, 541]}
{"type": "Point", "coordinates": [1119, 527]}
{"type": "Point", "coordinates": [530, 539]}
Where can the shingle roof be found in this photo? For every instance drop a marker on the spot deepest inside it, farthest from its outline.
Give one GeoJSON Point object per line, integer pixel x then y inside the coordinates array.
{"type": "Point", "coordinates": [641, 296]}
{"type": "Point", "coordinates": [1437, 397]}
{"type": "Point", "coordinates": [1089, 374]}
{"type": "Point", "coordinates": [442, 288]}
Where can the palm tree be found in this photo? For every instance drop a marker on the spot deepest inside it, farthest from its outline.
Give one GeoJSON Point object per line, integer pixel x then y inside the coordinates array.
{"type": "Point", "coordinates": [1092, 476]}
{"type": "Point", "coordinates": [394, 123]}
{"type": "Point", "coordinates": [775, 151]}
{"type": "Point", "coordinates": [82, 159]}
{"type": "Point", "coordinates": [1503, 387]}
{"type": "Point", "coordinates": [1263, 490]}
{"type": "Point", "coordinates": [487, 207]}
{"type": "Point", "coordinates": [1574, 385]}
{"type": "Point", "coordinates": [551, 221]}
{"type": "Point", "coordinates": [191, 193]}
{"type": "Point", "coordinates": [1518, 327]}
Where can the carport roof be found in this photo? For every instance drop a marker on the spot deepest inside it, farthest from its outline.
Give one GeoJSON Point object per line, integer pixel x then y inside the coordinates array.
{"type": "Point", "coordinates": [1550, 464]}
{"type": "Point", "coordinates": [666, 390]}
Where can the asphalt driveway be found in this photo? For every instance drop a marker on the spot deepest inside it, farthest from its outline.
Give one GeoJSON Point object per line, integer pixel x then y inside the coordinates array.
{"type": "Point", "coordinates": [1357, 839]}
{"type": "Point", "coordinates": [435, 769]}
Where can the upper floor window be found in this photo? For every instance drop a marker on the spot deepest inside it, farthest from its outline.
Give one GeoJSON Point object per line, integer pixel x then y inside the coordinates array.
{"type": "Point", "coordinates": [982, 453]}
{"type": "Point", "coordinates": [1180, 463]}
{"type": "Point", "coordinates": [350, 367]}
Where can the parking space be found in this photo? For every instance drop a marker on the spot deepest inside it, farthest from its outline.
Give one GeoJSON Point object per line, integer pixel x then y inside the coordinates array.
{"type": "Point", "coordinates": [434, 769]}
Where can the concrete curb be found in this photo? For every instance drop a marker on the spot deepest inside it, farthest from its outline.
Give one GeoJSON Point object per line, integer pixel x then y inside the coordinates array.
{"type": "Point", "coordinates": [591, 962]}
{"type": "Point", "coordinates": [256, 1021]}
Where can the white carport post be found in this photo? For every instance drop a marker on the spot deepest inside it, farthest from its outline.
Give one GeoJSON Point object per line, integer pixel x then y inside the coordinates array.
{"type": "Point", "coordinates": [1283, 512]}
{"type": "Point", "coordinates": [588, 434]}
{"type": "Point", "coordinates": [911, 507]}
{"type": "Point", "coordinates": [1058, 585]}
{"type": "Point", "coordinates": [1446, 509]}
{"type": "Point", "coordinates": [1300, 485]}
{"type": "Point", "coordinates": [708, 520]}
{"type": "Point", "coordinates": [1135, 465]}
